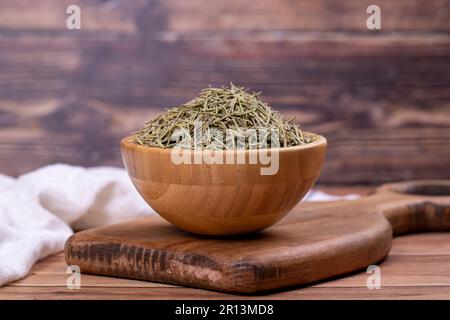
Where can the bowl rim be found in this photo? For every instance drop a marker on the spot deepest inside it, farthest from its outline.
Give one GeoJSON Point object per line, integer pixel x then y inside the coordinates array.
{"type": "Point", "coordinates": [128, 142]}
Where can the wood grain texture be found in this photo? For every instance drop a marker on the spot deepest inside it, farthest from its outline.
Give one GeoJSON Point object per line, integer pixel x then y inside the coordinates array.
{"type": "Point", "coordinates": [50, 15]}
{"type": "Point", "coordinates": [427, 292]}
{"type": "Point", "coordinates": [416, 268]}
{"type": "Point", "coordinates": [410, 268]}
{"type": "Point", "coordinates": [81, 121]}
{"type": "Point", "coordinates": [315, 242]}
{"type": "Point", "coordinates": [227, 15]}
{"type": "Point", "coordinates": [224, 198]}
{"type": "Point", "coordinates": [380, 97]}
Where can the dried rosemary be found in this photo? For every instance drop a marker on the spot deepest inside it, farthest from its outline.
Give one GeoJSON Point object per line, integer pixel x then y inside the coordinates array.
{"type": "Point", "coordinates": [226, 116]}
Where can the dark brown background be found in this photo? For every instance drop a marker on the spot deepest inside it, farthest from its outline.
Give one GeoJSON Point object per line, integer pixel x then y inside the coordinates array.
{"type": "Point", "coordinates": [382, 98]}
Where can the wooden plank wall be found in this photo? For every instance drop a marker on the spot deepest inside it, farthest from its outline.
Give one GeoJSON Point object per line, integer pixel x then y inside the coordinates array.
{"type": "Point", "coordinates": [382, 98]}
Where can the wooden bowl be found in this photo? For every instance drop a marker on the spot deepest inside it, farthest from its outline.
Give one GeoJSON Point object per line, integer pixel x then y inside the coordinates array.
{"type": "Point", "coordinates": [222, 199]}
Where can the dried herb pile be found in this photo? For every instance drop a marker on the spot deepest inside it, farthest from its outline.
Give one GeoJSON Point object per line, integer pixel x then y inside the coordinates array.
{"type": "Point", "coordinates": [228, 110]}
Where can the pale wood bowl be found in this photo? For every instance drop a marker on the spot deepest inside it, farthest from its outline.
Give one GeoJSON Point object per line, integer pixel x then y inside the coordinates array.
{"type": "Point", "coordinates": [222, 199]}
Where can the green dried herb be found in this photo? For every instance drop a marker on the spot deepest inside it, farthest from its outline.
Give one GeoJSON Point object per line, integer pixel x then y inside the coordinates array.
{"type": "Point", "coordinates": [222, 111]}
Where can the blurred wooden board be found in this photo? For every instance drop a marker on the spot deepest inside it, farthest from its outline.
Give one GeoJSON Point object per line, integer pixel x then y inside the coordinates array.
{"type": "Point", "coordinates": [180, 15]}
{"type": "Point", "coordinates": [69, 96]}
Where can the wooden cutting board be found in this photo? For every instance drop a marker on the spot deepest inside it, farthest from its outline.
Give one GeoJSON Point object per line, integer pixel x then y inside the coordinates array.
{"type": "Point", "coordinates": [314, 242]}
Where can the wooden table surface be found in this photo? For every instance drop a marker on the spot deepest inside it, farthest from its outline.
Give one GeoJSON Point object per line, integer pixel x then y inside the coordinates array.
{"type": "Point", "coordinates": [418, 267]}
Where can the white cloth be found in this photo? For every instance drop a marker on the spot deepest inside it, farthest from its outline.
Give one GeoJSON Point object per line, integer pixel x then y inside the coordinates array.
{"type": "Point", "coordinates": [38, 210]}
{"type": "Point", "coordinates": [317, 195]}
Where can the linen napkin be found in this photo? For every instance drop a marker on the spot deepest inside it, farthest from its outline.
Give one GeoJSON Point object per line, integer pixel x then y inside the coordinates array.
{"type": "Point", "coordinates": [39, 209]}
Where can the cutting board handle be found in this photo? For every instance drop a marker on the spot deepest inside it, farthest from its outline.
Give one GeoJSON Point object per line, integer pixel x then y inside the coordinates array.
{"type": "Point", "coordinates": [414, 206]}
